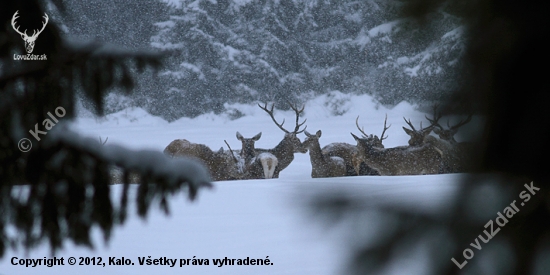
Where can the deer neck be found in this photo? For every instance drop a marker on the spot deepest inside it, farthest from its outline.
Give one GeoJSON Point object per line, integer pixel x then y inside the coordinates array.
{"type": "Point", "coordinates": [315, 153]}
{"type": "Point", "coordinates": [284, 151]}
{"type": "Point", "coordinates": [248, 152]}
{"type": "Point", "coordinates": [377, 158]}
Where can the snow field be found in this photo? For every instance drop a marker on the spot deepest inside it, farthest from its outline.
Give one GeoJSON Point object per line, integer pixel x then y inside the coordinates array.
{"type": "Point", "coordinates": [252, 218]}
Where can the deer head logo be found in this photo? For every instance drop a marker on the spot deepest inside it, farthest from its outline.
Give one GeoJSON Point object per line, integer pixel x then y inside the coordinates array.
{"type": "Point", "coordinates": [29, 40]}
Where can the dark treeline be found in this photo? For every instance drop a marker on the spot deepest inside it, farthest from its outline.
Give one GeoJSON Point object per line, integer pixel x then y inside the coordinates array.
{"type": "Point", "coordinates": [227, 51]}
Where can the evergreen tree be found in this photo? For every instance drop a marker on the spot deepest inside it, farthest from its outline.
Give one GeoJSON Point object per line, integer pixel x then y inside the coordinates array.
{"type": "Point", "coordinates": [229, 51]}
{"type": "Point", "coordinates": [498, 81]}
{"type": "Point", "coordinates": [59, 189]}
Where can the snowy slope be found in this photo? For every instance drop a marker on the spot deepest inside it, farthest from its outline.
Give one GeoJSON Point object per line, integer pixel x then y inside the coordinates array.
{"type": "Point", "coordinates": [255, 218]}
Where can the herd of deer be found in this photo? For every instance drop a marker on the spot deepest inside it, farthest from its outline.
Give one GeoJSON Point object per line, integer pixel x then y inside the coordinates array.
{"type": "Point", "coordinates": [425, 154]}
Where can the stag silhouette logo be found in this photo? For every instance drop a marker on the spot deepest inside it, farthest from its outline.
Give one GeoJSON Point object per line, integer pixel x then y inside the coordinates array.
{"type": "Point", "coordinates": [29, 40]}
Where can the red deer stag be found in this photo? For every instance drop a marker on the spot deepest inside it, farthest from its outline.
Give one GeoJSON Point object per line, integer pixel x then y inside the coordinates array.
{"type": "Point", "coordinates": [220, 164]}
{"type": "Point", "coordinates": [417, 136]}
{"type": "Point", "coordinates": [322, 166]}
{"type": "Point", "coordinates": [284, 151]}
{"type": "Point", "coordinates": [256, 166]}
{"type": "Point", "coordinates": [456, 156]}
{"type": "Point", "coordinates": [359, 166]}
{"type": "Point", "coordinates": [412, 160]}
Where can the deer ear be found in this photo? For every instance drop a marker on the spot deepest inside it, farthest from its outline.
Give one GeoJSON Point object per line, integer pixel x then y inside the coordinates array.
{"type": "Point", "coordinates": [408, 131]}
{"type": "Point", "coordinates": [354, 136]}
{"type": "Point", "coordinates": [239, 136]}
{"type": "Point", "coordinates": [437, 131]}
{"type": "Point", "coordinates": [318, 134]}
{"type": "Point", "coordinates": [257, 137]}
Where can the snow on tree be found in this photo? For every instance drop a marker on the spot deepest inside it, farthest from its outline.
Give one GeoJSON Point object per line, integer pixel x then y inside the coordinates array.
{"type": "Point", "coordinates": [59, 190]}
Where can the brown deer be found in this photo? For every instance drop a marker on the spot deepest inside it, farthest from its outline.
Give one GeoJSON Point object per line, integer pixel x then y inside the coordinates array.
{"type": "Point", "coordinates": [412, 160]}
{"type": "Point", "coordinates": [284, 151]}
{"type": "Point", "coordinates": [417, 136]}
{"type": "Point", "coordinates": [256, 165]}
{"type": "Point", "coordinates": [360, 167]}
{"type": "Point", "coordinates": [248, 151]}
{"type": "Point", "coordinates": [220, 164]}
{"type": "Point", "coordinates": [322, 166]}
{"type": "Point", "coordinates": [456, 156]}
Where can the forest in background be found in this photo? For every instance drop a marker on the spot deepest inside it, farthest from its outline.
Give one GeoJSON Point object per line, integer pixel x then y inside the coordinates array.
{"type": "Point", "coordinates": [239, 51]}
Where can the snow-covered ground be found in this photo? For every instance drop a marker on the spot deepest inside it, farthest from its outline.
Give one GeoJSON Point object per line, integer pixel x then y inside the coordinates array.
{"type": "Point", "coordinates": [254, 218]}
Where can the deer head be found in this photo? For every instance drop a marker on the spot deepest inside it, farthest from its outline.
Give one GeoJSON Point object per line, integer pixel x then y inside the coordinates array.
{"type": "Point", "coordinates": [29, 40]}
{"type": "Point", "coordinates": [248, 151]}
{"type": "Point", "coordinates": [377, 142]}
{"type": "Point", "coordinates": [290, 137]}
{"type": "Point", "coordinates": [417, 136]}
{"type": "Point", "coordinates": [311, 139]}
{"type": "Point", "coordinates": [365, 144]}
{"type": "Point", "coordinates": [323, 164]}
{"type": "Point", "coordinates": [446, 134]}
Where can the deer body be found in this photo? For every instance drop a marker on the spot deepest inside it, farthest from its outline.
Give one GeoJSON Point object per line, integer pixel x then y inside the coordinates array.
{"type": "Point", "coordinates": [399, 160]}
{"type": "Point", "coordinates": [456, 156]}
{"type": "Point", "coordinates": [257, 165]}
{"type": "Point", "coordinates": [359, 166]}
{"type": "Point", "coordinates": [220, 164]}
{"type": "Point", "coordinates": [322, 165]}
{"type": "Point", "coordinates": [348, 153]}
{"type": "Point", "coordinates": [284, 152]}
{"type": "Point", "coordinates": [269, 163]}
{"type": "Point", "coordinates": [290, 144]}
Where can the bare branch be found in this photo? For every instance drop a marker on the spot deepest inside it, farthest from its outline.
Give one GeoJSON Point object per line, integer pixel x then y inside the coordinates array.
{"type": "Point", "coordinates": [232, 154]}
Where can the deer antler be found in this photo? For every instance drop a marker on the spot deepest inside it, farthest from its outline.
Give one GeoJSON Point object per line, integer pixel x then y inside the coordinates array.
{"type": "Point", "coordinates": [359, 128]}
{"type": "Point", "coordinates": [298, 112]}
{"type": "Point", "coordinates": [385, 128]}
{"type": "Point", "coordinates": [15, 16]}
{"type": "Point", "coordinates": [410, 124]}
{"type": "Point", "coordinates": [270, 112]}
{"type": "Point", "coordinates": [362, 130]}
{"type": "Point", "coordinates": [43, 25]}
{"type": "Point", "coordinates": [34, 34]}
{"type": "Point", "coordinates": [434, 122]}
{"type": "Point", "coordinates": [103, 142]}
{"type": "Point", "coordinates": [461, 123]}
